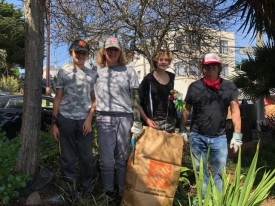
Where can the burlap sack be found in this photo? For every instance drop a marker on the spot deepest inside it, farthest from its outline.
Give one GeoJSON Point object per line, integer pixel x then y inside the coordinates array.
{"type": "Point", "coordinates": [153, 169]}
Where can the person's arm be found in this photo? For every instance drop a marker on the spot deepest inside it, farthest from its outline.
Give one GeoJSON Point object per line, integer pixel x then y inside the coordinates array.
{"type": "Point", "coordinates": [185, 114]}
{"type": "Point", "coordinates": [148, 121]}
{"type": "Point", "coordinates": [143, 91]}
{"type": "Point", "coordinates": [143, 94]}
{"type": "Point", "coordinates": [56, 103]}
{"type": "Point", "coordinates": [236, 140]}
{"type": "Point", "coordinates": [136, 104]}
{"type": "Point", "coordinates": [236, 115]}
{"type": "Point", "coordinates": [137, 125]}
{"type": "Point", "coordinates": [87, 126]}
{"type": "Point", "coordinates": [184, 118]}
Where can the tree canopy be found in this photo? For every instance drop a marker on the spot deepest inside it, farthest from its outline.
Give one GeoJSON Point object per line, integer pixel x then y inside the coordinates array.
{"type": "Point", "coordinates": [12, 34]}
{"type": "Point", "coordinates": [143, 26]}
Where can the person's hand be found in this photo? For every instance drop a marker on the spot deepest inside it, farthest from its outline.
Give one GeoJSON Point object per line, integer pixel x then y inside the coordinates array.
{"type": "Point", "coordinates": [183, 131]}
{"type": "Point", "coordinates": [55, 132]}
{"type": "Point", "coordinates": [87, 127]}
{"type": "Point", "coordinates": [137, 129]}
{"type": "Point", "coordinates": [151, 123]}
{"type": "Point", "coordinates": [236, 141]}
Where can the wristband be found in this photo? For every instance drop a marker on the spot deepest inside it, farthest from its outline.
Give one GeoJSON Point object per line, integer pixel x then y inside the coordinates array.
{"type": "Point", "coordinates": [54, 120]}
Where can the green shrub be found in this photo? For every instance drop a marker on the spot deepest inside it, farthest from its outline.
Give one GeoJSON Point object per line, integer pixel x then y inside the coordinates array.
{"type": "Point", "coordinates": [49, 152]}
{"type": "Point", "coordinates": [10, 182]}
{"type": "Point", "coordinates": [181, 196]}
{"type": "Point", "coordinates": [9, 84]}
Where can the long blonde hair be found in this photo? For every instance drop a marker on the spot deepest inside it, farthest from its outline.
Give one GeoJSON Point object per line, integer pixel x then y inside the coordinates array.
{"type": "Point", "coordinates": [101, 59]}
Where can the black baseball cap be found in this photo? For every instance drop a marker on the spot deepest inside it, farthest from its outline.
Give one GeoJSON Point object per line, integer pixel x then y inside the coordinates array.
{"type": "Point", "coordinates": [80, 45]}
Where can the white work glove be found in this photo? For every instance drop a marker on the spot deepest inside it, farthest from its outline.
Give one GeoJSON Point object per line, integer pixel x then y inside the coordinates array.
{"type": "Point", "coordinates": [183, 131]}
{"type": "Point", "coordinates": [137, 128]}
{"type": "Point", "coordinates": [236, 141]}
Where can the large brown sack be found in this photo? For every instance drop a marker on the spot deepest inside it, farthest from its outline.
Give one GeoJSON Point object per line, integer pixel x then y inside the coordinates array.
{"type": "Point", "coordinates": [153, 169]}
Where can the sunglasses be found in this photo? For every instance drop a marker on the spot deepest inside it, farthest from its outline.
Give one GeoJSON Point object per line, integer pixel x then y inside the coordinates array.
{"type": "Point", "coordinates": [208, 66]}
{"type": "Point", "coordinates": [83, 53]}
{"type": "Point", "coordinates": [112, 49]}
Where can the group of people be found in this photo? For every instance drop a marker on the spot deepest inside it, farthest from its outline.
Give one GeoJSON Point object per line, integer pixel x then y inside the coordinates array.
{"type": "Point", "coordinates": [121, 106]}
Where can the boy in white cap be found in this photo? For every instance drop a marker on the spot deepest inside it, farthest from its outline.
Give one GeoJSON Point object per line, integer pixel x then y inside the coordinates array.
{"type": "Point", "coordinates": [210, 98]}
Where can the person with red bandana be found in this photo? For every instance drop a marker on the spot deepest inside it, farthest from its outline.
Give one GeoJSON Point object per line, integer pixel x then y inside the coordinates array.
{"type": "Point", "coordinates": [210, 98]}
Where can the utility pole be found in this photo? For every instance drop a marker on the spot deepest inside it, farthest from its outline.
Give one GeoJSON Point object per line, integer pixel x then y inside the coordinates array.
{"type": "Point", "coordinates": [48, 43]}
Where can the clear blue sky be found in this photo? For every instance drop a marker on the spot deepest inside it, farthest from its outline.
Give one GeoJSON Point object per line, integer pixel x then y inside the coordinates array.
{"type": "Point", "coordinates": [60, 56]}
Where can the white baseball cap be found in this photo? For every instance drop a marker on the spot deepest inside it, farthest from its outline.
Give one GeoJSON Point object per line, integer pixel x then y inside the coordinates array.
{"type": "Point", "coordinates": [211, 58]}
{"type": "Point", "coordinates": [112, 42]}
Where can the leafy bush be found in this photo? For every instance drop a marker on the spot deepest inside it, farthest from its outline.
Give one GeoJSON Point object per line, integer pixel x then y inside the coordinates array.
{"type": "Point", "coordinates": [10, 182]}
{"type": "Point", "coordinates": [49, 152]}
{"type": "Point", "coordinates": [237, 190]}
{"type": "Point", "coordinates": [9, 84]}
{"type": "Point", "coordinates": [181, 196]}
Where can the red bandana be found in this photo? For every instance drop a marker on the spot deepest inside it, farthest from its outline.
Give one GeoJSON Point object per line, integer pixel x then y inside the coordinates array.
{"type": "Point", "coordinates": [214, 85]}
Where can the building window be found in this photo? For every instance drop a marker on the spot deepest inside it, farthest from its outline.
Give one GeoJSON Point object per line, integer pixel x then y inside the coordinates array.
{"type": "Point", "coordinates": [193, 70]}
{"type": "Point", "coordinates": [178, 43]}
{"type": "Point", "coordinates": [190, 39]}
{"type": "Point", "coordinates": [224, 72]}
{"type": "Point", "coordinates": [193, 40]}
{"type": "Point", "coordinates": [180, 69]}
{"type": "Point", "coordinates": [223, 47]}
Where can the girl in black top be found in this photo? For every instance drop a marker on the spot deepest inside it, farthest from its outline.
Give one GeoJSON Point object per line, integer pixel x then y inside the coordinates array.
{"type": "Point", "coordinates": [155, 92]}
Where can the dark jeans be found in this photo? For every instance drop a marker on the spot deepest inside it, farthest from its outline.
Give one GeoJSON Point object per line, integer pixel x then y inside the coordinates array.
{"type": "Point", "coordinates": [75, 147]}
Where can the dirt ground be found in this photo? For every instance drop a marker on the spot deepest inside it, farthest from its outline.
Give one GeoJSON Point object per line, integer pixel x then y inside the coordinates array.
{"type": "Point", "coordinates": [270, 201]}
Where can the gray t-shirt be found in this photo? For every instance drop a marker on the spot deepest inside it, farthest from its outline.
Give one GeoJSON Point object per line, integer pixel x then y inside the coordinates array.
{"type": "Point", "coordinates": [112, 89]}
{"type": "Point", "coordinates": [77, 85]}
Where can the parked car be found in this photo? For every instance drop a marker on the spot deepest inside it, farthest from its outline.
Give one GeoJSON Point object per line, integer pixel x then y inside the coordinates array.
{"type": "Point", "coordinates": [11, 109]}
{"type": "Point", "coordinates": [2, 93]}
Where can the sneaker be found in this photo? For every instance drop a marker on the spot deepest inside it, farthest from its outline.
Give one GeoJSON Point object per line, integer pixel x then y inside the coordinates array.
{"type": "Point", "coordinates": [56, 199]}
{"type": "Point", "coordinates": [118, 200]}
{"type": "Point", "coordinates": [113, 199]}
{"type": "Point", "coordinates": [109, 195]}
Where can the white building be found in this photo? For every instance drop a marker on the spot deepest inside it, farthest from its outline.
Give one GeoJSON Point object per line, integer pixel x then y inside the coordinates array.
{"type": "Point", "coordinates": [53, 71]}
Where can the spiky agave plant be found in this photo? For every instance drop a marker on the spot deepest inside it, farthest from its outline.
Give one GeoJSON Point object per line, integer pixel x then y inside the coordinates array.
{"type": "Point", "coordinates": [238, 190]}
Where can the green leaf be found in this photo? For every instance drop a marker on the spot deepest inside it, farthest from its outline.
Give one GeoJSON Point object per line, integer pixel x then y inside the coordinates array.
{"type": "Point", "coordinates": [5, 199]}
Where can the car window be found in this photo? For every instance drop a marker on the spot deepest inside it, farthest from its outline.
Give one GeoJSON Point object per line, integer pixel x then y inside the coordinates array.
{"type": "Point", "coordinates": [47, 104]}
{"type": "Point", "coordinates": [3, 102]}
{"type": "Point", "coordinates": [15, 103]}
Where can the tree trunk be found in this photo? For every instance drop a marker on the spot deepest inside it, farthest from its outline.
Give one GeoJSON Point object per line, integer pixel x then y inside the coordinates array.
{"type": "Point", "coordinates": [28, 160]}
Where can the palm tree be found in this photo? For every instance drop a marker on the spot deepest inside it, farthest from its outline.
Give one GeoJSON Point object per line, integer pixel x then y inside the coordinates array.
{"type": "Point", "coordinates": [255, 75]}
{"type": "Point", "coordinates": [259, 16]}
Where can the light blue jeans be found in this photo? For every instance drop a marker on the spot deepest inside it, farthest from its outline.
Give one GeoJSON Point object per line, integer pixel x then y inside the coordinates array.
{"type": "Point", "coordinates": [217, 156]}
{"type": "Point", "coordinates": [114, 136]}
